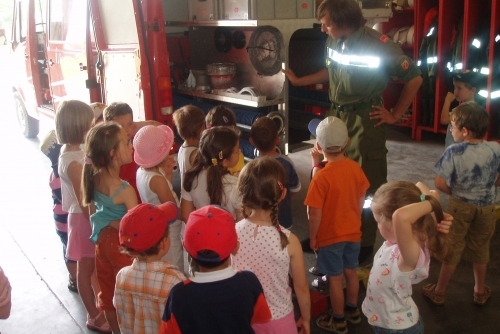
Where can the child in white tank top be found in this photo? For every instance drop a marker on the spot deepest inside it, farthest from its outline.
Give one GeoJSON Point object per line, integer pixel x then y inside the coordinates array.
{"type": "Point", "coordinates": [152, 145]}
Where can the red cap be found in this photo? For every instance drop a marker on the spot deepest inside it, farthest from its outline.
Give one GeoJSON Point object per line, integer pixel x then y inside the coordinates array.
{"type": "Point", "coordinates": [144, 225]}
{"type": "Point", "coordinates": [210, 228]}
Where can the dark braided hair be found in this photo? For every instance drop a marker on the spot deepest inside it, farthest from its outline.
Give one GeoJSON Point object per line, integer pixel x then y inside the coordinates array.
{"type": "Point", "coordinates": [260, 185]}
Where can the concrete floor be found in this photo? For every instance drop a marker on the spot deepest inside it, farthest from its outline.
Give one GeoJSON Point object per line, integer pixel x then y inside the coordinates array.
{"type": "Point", "coordinates": [31, 256]}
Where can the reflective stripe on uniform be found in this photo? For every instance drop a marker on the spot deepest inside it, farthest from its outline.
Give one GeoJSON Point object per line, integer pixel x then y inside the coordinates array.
{"type": "Point", "coordinates": [353, 60]}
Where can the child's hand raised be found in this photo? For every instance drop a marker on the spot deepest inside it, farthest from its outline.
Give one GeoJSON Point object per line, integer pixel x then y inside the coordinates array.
{"type": "Point", "coordinates": [444, 225]}
{"type": "Point", "coordinates": [315, 156]}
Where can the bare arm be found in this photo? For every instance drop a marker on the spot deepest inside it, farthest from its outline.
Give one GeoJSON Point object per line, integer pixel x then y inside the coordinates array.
{"type": "Point", "coordinates": [440, 184]}
{"type": "Point", "coordinates": [316, 78]}
{"type": "Point", "coordinates": [186, 208]}
{"type": "Point", "coordinates": [300, 282]}
{"type": "Point", "coordinates": [445, 112]}
{"type": "Point", "coordinates": [407, 94]}
{"type": "Point", "coordinates": [75, 176]}
{"type": "Point", "coordinates": [160, 187]}
{"type": "Point", "coordinates": [402, 220]}
{"type": "Point", "coordinates": [315, 216]}
{"type": "Point", "coordinates": [5, 296]}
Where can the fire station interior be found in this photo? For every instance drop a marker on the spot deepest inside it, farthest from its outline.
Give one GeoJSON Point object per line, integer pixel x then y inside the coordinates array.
{"type": "Point", "coordinates": [415, 143]}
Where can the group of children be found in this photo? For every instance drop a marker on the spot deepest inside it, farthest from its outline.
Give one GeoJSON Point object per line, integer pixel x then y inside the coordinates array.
{"type": "Point", "coordinates": [129, 257]}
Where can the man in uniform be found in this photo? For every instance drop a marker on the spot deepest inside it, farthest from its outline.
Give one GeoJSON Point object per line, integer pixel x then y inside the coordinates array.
{"type": "Point", "coordinates": [359, 63]}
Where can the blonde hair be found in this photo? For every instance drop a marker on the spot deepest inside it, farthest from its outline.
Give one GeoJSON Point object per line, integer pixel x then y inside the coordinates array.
{"type": "Point", "coordinates": [188, 120]}
{"type": "Point", "coordinates": [100, 140]}
{"type": "Point", "coordinates": [396, 194]}
{"type": "Point", "coordinates": [261, 184]}
{"type": "Point", "coordinates": [73, 120]}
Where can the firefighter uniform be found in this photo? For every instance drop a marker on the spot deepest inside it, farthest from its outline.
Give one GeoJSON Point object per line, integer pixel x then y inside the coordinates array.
{"type": "Point", "coordinates": [359, 69]}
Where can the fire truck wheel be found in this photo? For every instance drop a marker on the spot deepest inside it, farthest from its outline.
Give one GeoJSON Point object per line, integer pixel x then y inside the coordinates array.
{"type": "Point", "coordinates": [29, 125]}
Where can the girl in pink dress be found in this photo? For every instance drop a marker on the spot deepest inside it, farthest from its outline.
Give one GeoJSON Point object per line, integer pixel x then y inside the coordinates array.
{"type": "Point", "coordinates": [268, 249]}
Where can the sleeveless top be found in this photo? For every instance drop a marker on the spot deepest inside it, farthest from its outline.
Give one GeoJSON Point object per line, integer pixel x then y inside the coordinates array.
{"type": "Point", "coordinates": [263, 256]}
{"type": "Point", "coordinates": [69, 200]}
{"type": "Point", "coordinates": [106, 211]}
{"type": "Point", "coordinates": [143, 181]}
{"type": "Point", "coordinates": [388, 302]}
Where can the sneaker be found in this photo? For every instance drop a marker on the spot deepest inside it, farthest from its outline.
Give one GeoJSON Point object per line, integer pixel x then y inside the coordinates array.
{"type": "Point", "coordinates": [327, 323]}
{"type": "Point", "coordinates": [320, 282]}
{"type": "Point", "coordinates": [315, 272]}
{"type": "Point", "coordinates": [354, 317]}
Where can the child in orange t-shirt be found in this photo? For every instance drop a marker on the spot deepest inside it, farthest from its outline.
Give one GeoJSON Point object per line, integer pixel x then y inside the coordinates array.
{"type": "Point", "coordinates": [335, 200]}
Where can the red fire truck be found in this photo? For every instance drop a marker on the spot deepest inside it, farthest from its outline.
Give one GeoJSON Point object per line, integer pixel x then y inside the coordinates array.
{"type": "Point", "coordinates": [94, 51]}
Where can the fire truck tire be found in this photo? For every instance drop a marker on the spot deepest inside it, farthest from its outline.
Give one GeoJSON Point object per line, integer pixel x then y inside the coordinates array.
{"type": "Point", "coordinates": [29, 125]}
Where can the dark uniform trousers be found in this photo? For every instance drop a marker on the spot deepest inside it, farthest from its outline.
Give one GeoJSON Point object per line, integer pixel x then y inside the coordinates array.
{"type": "Point", "coordinates": [368, 148]}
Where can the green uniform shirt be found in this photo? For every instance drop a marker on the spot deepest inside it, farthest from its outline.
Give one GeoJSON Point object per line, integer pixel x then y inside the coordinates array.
{"type": "Point", "coordinates": [361, 65]}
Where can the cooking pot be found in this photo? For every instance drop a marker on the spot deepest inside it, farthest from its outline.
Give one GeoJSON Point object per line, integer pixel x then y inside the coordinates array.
{"type": "Point", "coordinates": [221, 74]}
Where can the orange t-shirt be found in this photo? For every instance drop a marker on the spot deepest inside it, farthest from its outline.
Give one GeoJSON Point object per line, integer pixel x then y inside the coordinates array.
{"type": "Point", "coordinates": [337, 190]}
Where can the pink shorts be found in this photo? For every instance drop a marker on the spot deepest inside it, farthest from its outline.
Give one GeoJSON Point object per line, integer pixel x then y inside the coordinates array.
{"type": "Point", "coordinates": [79, 244]}
{"type": "Point", "coordinates": [278, 326]}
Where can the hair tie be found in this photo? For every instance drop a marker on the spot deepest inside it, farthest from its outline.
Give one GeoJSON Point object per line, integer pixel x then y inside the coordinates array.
{"type": "Point", "coordinates": [278, 228]}
{"type": "Point", "coordinates": [280, 185]}
{"type": "Point", "coordinates": [214, 161]}
{"type": "Point", "coordinates": [88, 160]}
{"type": "Point", "coordinates": [422, 197]}
{"type": "Point", "coordinates": [220, 155]}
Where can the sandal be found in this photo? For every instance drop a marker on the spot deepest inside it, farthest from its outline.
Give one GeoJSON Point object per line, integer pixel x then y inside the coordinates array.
{"type": "Point", "coordinates": [72, 286]}
{"type": "Point", "coordinates": [429, 291]}
{"type": "Point", "coordinates": [91, 324]}
{"type": "Point", "coordinates": [315, 272]}
{"type": "Point", "coordinates": [327, 323]}
{"type": "Point", "coordinates": [482, 298]}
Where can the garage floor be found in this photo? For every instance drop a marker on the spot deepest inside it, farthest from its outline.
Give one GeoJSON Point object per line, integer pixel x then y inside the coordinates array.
{"type": "Point", "coordinates": [31, 254]}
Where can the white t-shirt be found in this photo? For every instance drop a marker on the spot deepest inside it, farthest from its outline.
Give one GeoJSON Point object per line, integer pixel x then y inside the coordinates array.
{"type": "Point", "coordinates": [183, 159]}
{"type": "Point", "coordinates": [199, 195]}
{"type": "Point", "coordinates": [388, 302]}
{"type": "Point", "coordinates": [69, 200]}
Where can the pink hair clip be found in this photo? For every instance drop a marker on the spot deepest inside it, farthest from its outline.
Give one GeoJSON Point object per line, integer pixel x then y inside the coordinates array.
{"type": "Point", "coordinates": [278, 228]}
{"type": "Point", "coordinates": [280, 185]}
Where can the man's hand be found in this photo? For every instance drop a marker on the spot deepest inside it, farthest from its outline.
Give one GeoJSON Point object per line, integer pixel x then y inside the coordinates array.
{"type": "Point", "coordinates": [383, 114]}
{"type": "Point", "coordinates": [291, 76]}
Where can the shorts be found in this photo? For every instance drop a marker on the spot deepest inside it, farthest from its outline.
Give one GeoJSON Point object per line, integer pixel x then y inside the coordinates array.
{"type": "Point", "coordinates": [64, 240]}
{"type": "Point", "coordinates": [333, 259]}
{"type": "Point", "coordinates": [108, 262]}
{"type": "Point", "coordinates": [282, 325]}
{"type": "Point", "coordinates": [418, 328]}
{"type": "Point", "coordinates": [79, 244]}
{"type": "Point", "coordinates": [471, 231]}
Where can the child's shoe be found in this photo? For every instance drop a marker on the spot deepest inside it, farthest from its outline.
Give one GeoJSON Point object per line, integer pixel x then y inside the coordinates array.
{"type": "Point", "coordinates": [91, 324]}
{"type": "Point", "coordinates": [482, 298]}
{"type": "Point", "coordinates": [327, 323]}
{"type": "Point", "coordinates": [354, 317]}
{"type": "Point", "coordinates": [72, 286]}
{"type": "Point", "coordinates": [320, 282]}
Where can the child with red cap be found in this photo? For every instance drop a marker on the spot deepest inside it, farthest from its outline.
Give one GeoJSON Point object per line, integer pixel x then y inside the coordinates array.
{"type": "Point", "coordinates": [152, 145]}
{"type": "Point", "coordinates": [142, 288]}
{"type": "Point", "coordinates": [217, 299]}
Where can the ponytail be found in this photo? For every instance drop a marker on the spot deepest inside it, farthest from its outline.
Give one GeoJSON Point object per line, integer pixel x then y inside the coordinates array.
{"type": "Point", "coordinates": [87, 184]}
{"type": "Point", "coordinates": [216, 144]}
{"type": "Point", "coordinates": [439, 243]}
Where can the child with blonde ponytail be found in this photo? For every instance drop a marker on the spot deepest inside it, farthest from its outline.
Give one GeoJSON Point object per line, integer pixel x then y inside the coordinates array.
{"type": "Point", "coordinates": [268, 249]}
